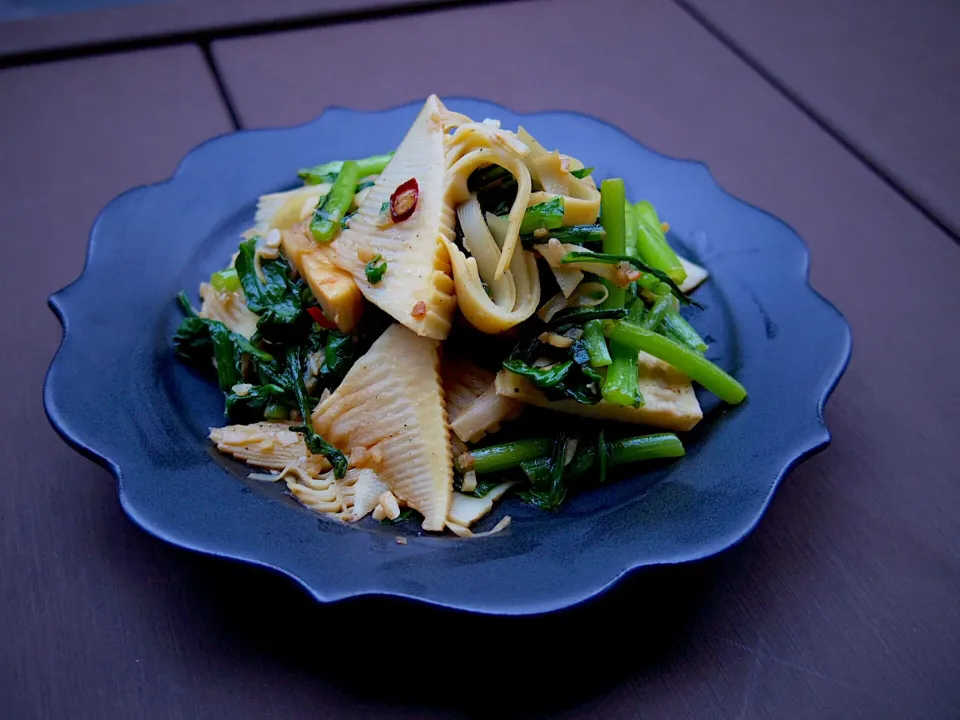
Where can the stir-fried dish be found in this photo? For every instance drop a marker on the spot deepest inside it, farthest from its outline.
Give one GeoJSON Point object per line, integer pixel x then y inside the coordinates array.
{"type": "Point", "coordinates": [380, 325]}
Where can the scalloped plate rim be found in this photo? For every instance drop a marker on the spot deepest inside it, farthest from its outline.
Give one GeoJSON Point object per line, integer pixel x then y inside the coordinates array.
{"type": "Point", "coordinates": [816, 440]}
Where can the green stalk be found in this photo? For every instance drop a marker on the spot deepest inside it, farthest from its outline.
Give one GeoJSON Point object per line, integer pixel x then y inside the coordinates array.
{"type": "Point", "coordinates": [225, 280]}
{"type": "Point", "coordinates": [327, 172]}
{"type": "Point", "coordinates": [630, 232]}
{"type": "Point", "coordinates": [678, 329]}
{"type": "Point", "coordinates": [620, 452]}
{"type": "Point", "coordinates": [506, 456]}
{"type": "Point", "coordinates": [687, 361]}
{"type": "Point", "coordinates": [276, 411]}
{"type": "Point", "coordinates": [577, 234]}
{"type": "Point", "coordinates": [596, 344]}
{"type": "Point", "coordinates": [334, 207]}
{"type": "Point", "coordinates": [645, 447]}
{"type": "Point", "coordinates": [657, 312]}
{"type": "Point", "coordinates": [613, 219]}
{"type": "Point", "coordinates": [652, 243]}
{"type": "Point", "coordinates": [620, 385]}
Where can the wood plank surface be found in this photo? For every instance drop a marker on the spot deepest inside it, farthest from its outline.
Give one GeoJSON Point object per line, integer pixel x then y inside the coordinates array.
{"type": "Point", "coordinates": [841, 604]}
{"type": "Point", "coordinates": [150, 21]}
{"type": "Point", "coordinates": [883, 74]}
{"type": "Point", "coordinates": [85, 610]}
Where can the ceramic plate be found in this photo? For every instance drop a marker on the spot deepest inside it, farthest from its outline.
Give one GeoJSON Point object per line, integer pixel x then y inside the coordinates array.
{"type": "Point", "coordinates": [116, 392]}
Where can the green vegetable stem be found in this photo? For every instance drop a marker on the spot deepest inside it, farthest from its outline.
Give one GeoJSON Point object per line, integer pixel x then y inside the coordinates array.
{"type": "Point", "coordinates": [619, 452]}
{"type": "Point", "coordinates": [497, 458]}
{"type": "Point", "coordinates": [652, 243]}
{"type": "Point", "coordinates": [327, 172]}
{"type": "Point", "coordinates": [225, 280]}
{"type": "Point", "coordinates": [620, 386]}
{"type": "Point", "coordinates": [675, 327]}
{"type": "Point", "coordinates": [331, 210]}
{"type": "Point", "coordinates": [577, 234]}
{"type": "Point", "coordinates": [687, 361]}
{"type": "Point", "coordinates": [375, 269]}
{"type": "Point", "coordinates": [596, 344]}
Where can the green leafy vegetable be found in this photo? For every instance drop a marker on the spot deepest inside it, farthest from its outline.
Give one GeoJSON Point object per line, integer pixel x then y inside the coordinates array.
{"type": "Point", "coordinates": [487, 177]}
{"type": "Point", "coordinates": [550, 491]}
{"type": "Point", "coordinates": [407, 513]}
{"type": "Point", "coordinates": [199, 339]}
{"type": "Point", "coordinates": [582, 172]}
{"type": "Point", "coordinates": [277, 301]}
{"type": "Point", "coordinates": [339, 355]}
{"type": "Point", "coordinates": [314, 442]}
{"type": "Point", "coordinates": [327, 172]}
{"type": "Point", "coordinates": [547, 215]}
{"type": "Point", "coordinates": [364, 185]}
{"type": "Point", "coordinates": [375, 269]}
{"type": "Point", "coordinates": [581, 315]}
{"type": "Point", "coordinates": [260, 402]}
{"type": "Point", "coordinates": [545, 377]}
{"type": "Point", "coordinates": [484, 487]}
{"type": "Point", "coordinates": [334, 207]}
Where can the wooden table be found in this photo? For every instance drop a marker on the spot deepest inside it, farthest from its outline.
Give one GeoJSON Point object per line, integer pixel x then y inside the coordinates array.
{"type": "Point", "coordinates": [844, 601]}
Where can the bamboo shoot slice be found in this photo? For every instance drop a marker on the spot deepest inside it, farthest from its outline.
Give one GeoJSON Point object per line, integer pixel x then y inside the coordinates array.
{"type": "Point", "coordinates": [670, 401]}
{"type": "Point", "coordinates": [391, 400]}
{"type": "Point", "coordinates": [467, 509]}
{"type": "Point", "coordinates": [417, 288]}
{"type": "Point", "coordinates": [474, 408]}
{"type": "Point", "coordinates": [230, 308]}
{"type": "Point", "coordinates": [333, 287]}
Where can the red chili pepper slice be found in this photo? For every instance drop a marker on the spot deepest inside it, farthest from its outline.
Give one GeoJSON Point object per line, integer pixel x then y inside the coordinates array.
{"type": "Point", "coordinates": [404, 200]}
{"type": "Point", "coordinates": [320, 319]}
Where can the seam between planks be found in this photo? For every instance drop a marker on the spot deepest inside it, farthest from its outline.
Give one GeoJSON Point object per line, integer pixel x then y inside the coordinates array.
{"type": "Point", "coordinates": [914, 200]}
{"type": "Point", "coordinates": [204, 36]}
{"type": "Point", "coordinates": [222, 90]}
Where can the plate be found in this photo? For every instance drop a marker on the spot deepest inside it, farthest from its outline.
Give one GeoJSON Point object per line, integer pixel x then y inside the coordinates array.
{"type": "Point", "coordinates": [116, 392]}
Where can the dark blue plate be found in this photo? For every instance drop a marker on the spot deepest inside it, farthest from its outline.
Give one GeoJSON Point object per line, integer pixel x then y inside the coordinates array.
{"type": "Point", "coordinates": [117, 394]}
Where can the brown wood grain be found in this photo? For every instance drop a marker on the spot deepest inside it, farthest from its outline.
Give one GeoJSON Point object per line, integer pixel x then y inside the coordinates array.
{"type": "Point", "coordinates": [841, 604]}
{"type": "Point", "coordinates": [152, 20]}
{"type": "Point", "coordinates": [87, 624]}
{"type": "Point", "coordinates": [883, 74]}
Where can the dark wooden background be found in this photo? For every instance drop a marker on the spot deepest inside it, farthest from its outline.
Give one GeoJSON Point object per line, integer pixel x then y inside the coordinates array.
{"type": "Point", "coordinates": [843, 603]}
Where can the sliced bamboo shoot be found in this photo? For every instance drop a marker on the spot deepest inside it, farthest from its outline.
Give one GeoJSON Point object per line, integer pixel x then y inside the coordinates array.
{"type": "Point", "coordinates": [417, 288]}
{"type": "Point", "coordinates": [391, 400]}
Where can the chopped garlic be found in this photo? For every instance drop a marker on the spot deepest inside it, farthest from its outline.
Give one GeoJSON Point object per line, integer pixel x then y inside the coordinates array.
{"type": "Point", "coordinates": [388, 501]}
{"type": "Point", "coordinates": [558, 341]}
{"type": "Point", "coordinates": [466, 461]}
